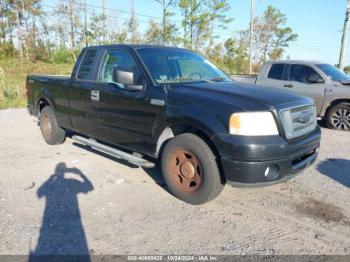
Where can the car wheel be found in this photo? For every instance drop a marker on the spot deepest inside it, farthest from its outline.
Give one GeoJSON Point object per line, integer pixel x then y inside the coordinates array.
{"type": "Point", "coordinates": [338, 117]}
{"type": "Point", "coordinates": [51, 132]}
{"type": "Point", "coordinates": [190, 170]}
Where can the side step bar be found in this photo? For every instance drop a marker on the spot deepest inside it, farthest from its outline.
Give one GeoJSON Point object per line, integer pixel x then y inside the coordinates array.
{"type": "Point", "coordinates": [114, 152]}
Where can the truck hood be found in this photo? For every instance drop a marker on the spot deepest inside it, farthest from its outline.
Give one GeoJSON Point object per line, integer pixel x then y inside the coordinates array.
{"type": "Point", "coordinates": [342, 84]}
{"type": "Point", "coordinates": [245, 96]}
{"type": "Point", "coordinates": [345, 82]}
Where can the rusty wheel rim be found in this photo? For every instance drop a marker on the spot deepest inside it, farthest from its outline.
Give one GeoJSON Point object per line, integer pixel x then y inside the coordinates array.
{"type": "Point", "coordinates": [186, 170]}
{"type": "Point", "coordinates": [46, 127]}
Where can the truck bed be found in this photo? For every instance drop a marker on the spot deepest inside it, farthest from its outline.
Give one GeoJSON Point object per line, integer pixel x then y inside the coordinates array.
{"type": "Point", "coordinates": [48, 77]}
{"type": "Point", "coordinates": [55, 85]}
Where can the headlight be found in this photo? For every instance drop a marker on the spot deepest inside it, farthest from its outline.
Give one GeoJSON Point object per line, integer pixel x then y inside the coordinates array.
{"type": "Point", "coordinates": [253, 124]}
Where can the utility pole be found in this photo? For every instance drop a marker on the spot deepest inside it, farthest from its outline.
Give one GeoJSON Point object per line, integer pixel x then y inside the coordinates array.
{"type": "Point", "coordinates": [104, 34]}
{"type": "Point", "coordinates": [19, 33]}
{"type": "Point", "coordinates": [71, 13]}
{"type": "Point", "coordinates": [344, 38]}
{"type": "Point", "coordinates": [251, 31]}
{"type": "Point", "coordinates": [163, 23]}
{"type": "Point", "coordinates": [85, 24]}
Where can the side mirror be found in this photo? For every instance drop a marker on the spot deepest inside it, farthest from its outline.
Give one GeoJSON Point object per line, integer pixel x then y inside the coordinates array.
{"type": "Point", "coordinates": [126, 77]}
{"type": "Point", "coordinates": [315, 79]}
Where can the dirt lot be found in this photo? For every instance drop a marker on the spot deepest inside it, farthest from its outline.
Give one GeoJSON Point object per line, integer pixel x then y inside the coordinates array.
{"type": "Point", "coordinates": [66, 199]}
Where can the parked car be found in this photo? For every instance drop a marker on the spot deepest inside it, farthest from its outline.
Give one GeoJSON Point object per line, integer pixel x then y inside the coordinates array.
{"type": "Point", "coordinates": [141, 103]}
{"type": "Point", "coordinates": [325, 84]}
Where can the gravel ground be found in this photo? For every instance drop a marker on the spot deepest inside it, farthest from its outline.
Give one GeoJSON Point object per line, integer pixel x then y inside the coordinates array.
{"type": "Point", "coordinates": [67, 200]}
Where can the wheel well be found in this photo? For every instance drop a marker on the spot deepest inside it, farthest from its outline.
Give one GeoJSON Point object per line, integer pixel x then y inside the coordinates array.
{"type": "Point", "coordinates": [41, 104]}
{"type": "Point", "coordinates": [170, 132]}
{"type": "Point", "coordinates": [336, 102]}
{"type": "Point", "coordinates": [174, 130]}
{"type": "Point", "coordinates": [199, 133]}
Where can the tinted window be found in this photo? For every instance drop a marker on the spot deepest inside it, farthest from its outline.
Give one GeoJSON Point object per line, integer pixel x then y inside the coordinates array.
{"type": "Point", "coordinates": [86, 65]}
{"type": "Point", "coordinates": [276, 71]}
{"type": "Point", "coordinates": [119, 58]}
{"type": "Point", "coordinates": [303, 74]}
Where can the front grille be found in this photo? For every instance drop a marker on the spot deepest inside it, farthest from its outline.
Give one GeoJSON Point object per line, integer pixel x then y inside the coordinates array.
{"type": "Point", "coordinates": [298, 121]}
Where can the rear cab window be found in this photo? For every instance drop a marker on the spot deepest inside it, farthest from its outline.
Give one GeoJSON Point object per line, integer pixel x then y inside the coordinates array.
{"type": "Point", "coordinates": [276, 72]}
{"type": "Point", "coordinates": [86, 65]}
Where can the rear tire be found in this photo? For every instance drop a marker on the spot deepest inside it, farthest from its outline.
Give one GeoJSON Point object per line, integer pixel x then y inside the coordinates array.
{"type": "Point", "coordinates": [51, 132]}
{"type": "Point", "coordinates": [190, 170]}
{"type": "Point", "coordinates": [338, 117]}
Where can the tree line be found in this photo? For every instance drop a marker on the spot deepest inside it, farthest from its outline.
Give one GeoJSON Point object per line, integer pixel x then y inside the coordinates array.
{"type": "Point", "coordinates": [34, 30]}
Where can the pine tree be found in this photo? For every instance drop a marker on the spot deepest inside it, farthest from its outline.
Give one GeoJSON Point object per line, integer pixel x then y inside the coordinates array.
{"type": "Point", "coordinates": [169, 29]}
{"type": "Point", "coordinates": [218, 18]}
{"type": "Point", "coordinates": [85, 30]}
{"type": "Point", "coordinates": [133, 25]}
{"type": "Point", "coordinates": [196, 20]}
{"type": "Point", "coordinates": [271, 35]}
{"type": "Point", "coordinates": [153, 34]}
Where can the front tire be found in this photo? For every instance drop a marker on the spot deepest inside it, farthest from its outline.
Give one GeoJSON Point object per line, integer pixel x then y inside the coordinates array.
{"type": "Point", "coordinates": [338, 117]}
{"type": "Point", "coordinates": [51, 132]}
{"type": "Point", "coordinates": [190, 170]}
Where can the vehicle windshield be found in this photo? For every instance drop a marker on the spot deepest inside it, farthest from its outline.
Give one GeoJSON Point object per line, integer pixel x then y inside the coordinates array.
{"type": "Point", "coordinates": [168, 66]}
{"type": "Point", "coordinates": [333, 73]}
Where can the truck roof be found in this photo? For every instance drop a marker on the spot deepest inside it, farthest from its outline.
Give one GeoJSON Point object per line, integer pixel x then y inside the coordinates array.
{"type": "Point", "coordinates": [304, 62]}
{"type": "Point", "coordinates": [135, 46]}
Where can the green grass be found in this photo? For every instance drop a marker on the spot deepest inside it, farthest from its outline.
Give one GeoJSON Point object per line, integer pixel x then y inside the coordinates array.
{"type": "Point", "coordinates": [13, 73]}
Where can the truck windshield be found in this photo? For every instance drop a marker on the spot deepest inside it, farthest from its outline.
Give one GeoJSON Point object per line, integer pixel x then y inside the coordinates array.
{"type": "Point", "coordinates": [333, 73]}
{"type": "Point", "coordinates": [177, 66]}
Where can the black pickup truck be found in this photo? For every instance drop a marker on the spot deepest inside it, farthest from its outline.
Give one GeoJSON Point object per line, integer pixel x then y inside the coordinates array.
{"type": "Point", "coordinates": [143, 103]}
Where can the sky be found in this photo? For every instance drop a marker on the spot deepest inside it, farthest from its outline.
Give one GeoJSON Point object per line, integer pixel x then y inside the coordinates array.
{"type": "Point", "coordinates": [318, 23]}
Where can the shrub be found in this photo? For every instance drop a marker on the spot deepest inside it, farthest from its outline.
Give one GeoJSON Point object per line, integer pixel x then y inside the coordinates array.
{"type": "Point", "coordinates": [63, 56]}
{"type": "Point", "coordinates": [7, 50]}
{"type": "Point", "coordinates": [347, 70]}
{"type": "Point", "coordinates": [13, 73]}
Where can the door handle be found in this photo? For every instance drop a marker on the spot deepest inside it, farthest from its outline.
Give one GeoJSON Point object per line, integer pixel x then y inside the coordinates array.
{"type": "Point", "coordinates": [288, 85]}
{"type": "Point", "coordinates": [95, 95]}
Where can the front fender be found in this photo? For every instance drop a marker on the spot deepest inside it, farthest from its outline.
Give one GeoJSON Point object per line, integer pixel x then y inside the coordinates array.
{"type": "Point", "coordinates": [187, 117]}
{"type": "Point", "coordinates": [203, 119]}
{"type": "Point", "coordinates": [335, 95]}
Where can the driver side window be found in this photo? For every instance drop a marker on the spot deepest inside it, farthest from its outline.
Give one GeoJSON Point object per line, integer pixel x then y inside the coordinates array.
{"type": "Point", "coordinates": [114, 58]}
{"type": "Point", "coordinates": [303, 74]}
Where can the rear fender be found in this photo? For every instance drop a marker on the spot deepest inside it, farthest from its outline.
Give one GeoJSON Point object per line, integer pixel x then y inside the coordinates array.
{"type": "Point", "coordinates": [44, 94]}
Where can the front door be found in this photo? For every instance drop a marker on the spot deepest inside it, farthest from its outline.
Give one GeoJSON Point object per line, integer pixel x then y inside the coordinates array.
{"type": "Point", "coordinates": [306, 81]}
{"type": "Point", "coordinates": [125, 117]}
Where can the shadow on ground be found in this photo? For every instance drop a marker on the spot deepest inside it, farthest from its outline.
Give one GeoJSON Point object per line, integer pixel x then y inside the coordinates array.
{"type": "Point", "coordinates": [337, 169]}
{"type": "Point", "coordinates": [90, 149]}
{"type": "Point", "coordinates": [155, 173]}
{"type": "Point", "coordinates": [62, 232]}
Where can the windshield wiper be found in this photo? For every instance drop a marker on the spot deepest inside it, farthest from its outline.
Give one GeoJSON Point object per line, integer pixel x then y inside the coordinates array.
{"type": "Point", "coordinates": [217, 79]}
{"type": "Point", "coordinates": [181, 79]}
